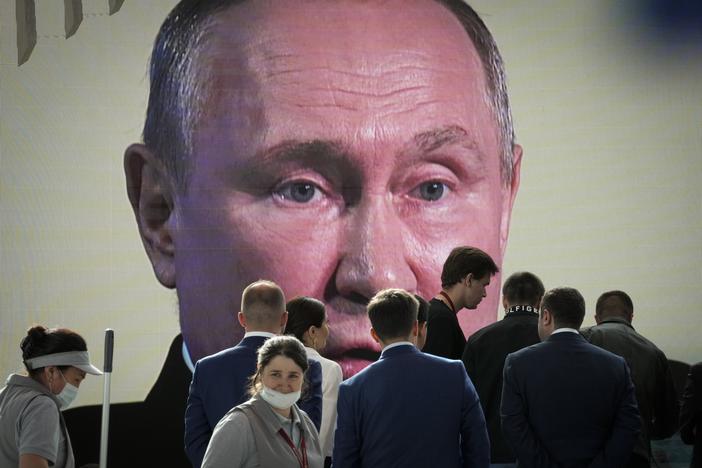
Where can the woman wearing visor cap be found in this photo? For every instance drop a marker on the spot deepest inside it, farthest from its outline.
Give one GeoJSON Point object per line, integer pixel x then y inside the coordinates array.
{"type": "Point", "coordinates": [32, 430]}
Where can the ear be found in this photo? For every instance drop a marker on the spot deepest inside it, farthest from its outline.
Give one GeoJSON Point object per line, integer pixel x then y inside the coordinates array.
{"type": "Point", "coordinates": [546, 317]}
{"type": "Point", "coordinates": [597, 319]}
{"type": "Point", "coordinates": [415, 329]}
{"type": "Point", "coordinates": [375, 337]}
{"type": "Point", "coordinates": [505, 304]}
{"type": "Point", "coordinates": [468, 278]}
{"type": "Point", "coordinates": [283, 321]}
{"type": "Point", "coordinates": [509, 193]}
{"type": "Point", "coordinates": [151, 196]}
{"type": "Point", "coordinates": [242, 319]}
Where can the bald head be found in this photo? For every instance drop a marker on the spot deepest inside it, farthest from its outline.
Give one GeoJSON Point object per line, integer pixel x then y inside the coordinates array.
{"type": "Point", "coordinates": [614, 304]}
{"type": "Point", "coordinates": [263, 307]}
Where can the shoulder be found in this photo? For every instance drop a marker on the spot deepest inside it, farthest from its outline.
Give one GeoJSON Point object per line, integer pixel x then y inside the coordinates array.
{"type": "Point", "coordinates": [486, 332]}
{"type": "Point", "coordinates": [235, 420]}
{"type": "Point", "coordinates": [330, 367]}
{"type": "Point", "coordinates": [224, 356]}
{"type": "Point", "coordinates": [40, 405]}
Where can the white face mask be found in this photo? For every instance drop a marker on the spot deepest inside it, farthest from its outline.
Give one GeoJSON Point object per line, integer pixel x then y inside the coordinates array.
{"type": "Point", "coordinates": [279, 400]}
{"type": "Point", "coordinates": [67, 395]}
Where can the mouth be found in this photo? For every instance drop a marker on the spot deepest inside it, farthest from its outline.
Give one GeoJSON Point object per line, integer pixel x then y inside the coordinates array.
{"type": "Point", "coordinates": [355, 360]}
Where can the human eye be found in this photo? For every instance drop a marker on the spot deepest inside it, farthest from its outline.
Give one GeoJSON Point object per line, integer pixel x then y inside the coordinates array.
{"type": "Point", "coordinates": [298, 191]}
{"type": "Point", "coordinates": [431, 191]}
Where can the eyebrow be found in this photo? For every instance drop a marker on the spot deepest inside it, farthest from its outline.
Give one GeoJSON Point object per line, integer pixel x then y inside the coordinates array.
{"type": "Point", "coordinates": [333, 158]}
{"type": "Point", "coordinates": [436, 138]}
{"type": "Point", "coordinates": [329, 157]}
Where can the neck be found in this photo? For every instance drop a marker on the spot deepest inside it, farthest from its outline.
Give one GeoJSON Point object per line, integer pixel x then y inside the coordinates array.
{"type": "Point", "coordinates": [453, 293]}
{"type": "Point", "coordinates": [282, 412]}
{"type": "Point", "coordinates": [387, 343]}
{"type": "Point", "coordinates": [273, 330]}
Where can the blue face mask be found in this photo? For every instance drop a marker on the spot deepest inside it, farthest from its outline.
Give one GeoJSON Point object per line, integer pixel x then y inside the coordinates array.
{"type": "Point", "coordinates": [67, 395]}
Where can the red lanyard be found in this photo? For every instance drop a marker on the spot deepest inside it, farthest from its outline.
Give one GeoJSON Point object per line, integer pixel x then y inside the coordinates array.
{"type": "Point", "coordinates": [446, 296]}
{"type": "Point", "coordinates": [301, 457]}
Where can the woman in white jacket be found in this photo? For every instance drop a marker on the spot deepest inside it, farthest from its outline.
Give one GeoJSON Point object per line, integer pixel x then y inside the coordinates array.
{"type": "Point", "coordinates": [308, 322]}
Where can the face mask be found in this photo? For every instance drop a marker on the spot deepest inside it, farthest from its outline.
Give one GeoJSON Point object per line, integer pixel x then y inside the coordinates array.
{"type": "Point", "coordinates": [279, 400]}
{"type": "Point", "coordinates": [67, 395]}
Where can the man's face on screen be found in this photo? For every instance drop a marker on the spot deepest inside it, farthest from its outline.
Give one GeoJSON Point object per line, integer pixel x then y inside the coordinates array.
{"type": "Point", "coordinates": [344, 149]}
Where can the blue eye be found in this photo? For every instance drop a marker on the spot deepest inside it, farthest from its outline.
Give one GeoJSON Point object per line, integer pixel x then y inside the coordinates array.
{"type": "Point", "coordinates": [298, 192]}
{"type": "Point", "coordinates": [431, 191]}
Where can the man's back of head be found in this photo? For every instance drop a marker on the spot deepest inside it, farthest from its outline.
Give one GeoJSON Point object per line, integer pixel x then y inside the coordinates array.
{"type": "Point", "coordinates": [263, 307]}
{"type": "Point", "coordinates": [393, 316]}
{"type": "Point", "coordinates": [614, 304]}
{"type": "Point", "coordinates": [522, 289]}
{"type": "Point", "coordinates": [561, 308]}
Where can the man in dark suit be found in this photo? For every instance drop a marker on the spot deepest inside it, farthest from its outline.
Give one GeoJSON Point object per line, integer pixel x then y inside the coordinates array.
{"type": "Point", "coordinates": [566, 402]}
{"type": "Point", "coordinates": [691, 414]}
{"type": "Point", "coordinates": [486, 350]}
{"type": "Point", "coordinates": [381, 408]}
{"type": "Point", "coordinates": [221, 381]}
{"type": "Point", "coordinates": [655, 391]}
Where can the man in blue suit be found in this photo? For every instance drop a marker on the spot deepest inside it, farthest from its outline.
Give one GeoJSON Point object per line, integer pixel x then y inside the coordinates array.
{"type": "Point", "coordinates": [221, 381]}
{"type": "Point", "coordinates": [566, 402]}
{"type": "Point", "coordinates": [408, 409]}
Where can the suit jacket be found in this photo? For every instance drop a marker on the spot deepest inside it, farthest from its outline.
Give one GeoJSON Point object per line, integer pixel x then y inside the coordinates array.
{"type": "Point", "coordinates": [691, 414]}
{"type": "Point", "coordinates": [484, 358]}
{"type": "Point", "coordinates": [568, 403]}
{"type": "Point", "coordinates": [410, 409]}
{"type": "Point", "coordinates": [655, 391]}
{"type": "Point", "coordinates": [142, 434]}
{"type": "Point", "coordinates": [220, 382]}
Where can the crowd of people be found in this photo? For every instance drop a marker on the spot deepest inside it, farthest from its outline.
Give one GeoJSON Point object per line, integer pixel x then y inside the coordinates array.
{"type": "Point", "coordinates": [533, 389]}
{"type": "Point", "coordinates": [342, 150]}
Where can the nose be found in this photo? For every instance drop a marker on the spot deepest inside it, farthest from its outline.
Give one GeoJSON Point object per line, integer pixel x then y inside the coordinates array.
{"type": "Point", "coordinates": [374, 252]}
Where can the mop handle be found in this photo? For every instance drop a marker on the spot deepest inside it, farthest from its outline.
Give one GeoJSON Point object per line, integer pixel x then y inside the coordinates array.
{"type": "Point", "coordinates": [107, 371]}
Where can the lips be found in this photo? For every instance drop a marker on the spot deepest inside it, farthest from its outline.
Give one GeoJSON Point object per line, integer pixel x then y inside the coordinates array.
{"type": "Point", "coordinates": [349, 342]}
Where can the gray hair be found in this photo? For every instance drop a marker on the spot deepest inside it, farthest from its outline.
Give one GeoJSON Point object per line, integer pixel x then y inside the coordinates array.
{"type": "Point", "coordinates": [177, 82]}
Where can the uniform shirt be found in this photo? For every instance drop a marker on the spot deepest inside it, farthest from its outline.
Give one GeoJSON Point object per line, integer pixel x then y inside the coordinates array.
{"type": "Point", "coordinates": [30, 423]}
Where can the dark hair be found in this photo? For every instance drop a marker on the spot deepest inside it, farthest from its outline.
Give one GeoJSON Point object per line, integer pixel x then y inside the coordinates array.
{"type": "Point", "coordinates": [303, 312]}
{"type": "Point", "coordinates": [623, 307]}
{"type": "Point", "coordinates": [392, 313]}
{"type": "Point", "coordinates": [523, 288]}
{"type": "Point", "coordinates": [566, 305]}
{"type": "Point", "coordinates": [263, 303]}
{"type": "Point", "coordinates": [464, 260]}
{"type": "Point", "coordinates": [41, 341]}
{"type": "Point", "coordinates": [287, 346]}
{"type": "Point", "coordinates": [178, 84]}
{"type": "Point", "coordinates": [423, 309]}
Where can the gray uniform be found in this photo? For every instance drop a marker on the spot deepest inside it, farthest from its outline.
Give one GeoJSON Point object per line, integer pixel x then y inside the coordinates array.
{"type": "Point", "coordinates": [247, 437]}
{"type": "Point", "coordinates": [31, 423]}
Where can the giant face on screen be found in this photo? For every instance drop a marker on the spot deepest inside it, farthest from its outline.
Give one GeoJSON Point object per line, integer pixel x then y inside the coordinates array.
{"type": "Point", "coordinates": [336, 148]}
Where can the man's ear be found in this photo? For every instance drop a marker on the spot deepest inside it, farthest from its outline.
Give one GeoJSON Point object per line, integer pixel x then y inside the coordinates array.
{"type": "Point", "coordinates": [509, 193]}
{"type": "Point", "coordinates": [546, 317]}
{"type": "Point", "coordinates": [283, 321]}
{"type": "Point", "coordinates": [415, 329]}
{"type": "Point", "coordinates": [375, 336]}
{"type": "Point", "coordinates": [151, 196]}
{"type": "Point", "coordinates": [242, 319]}
{"type": "Point", "coordinates": [505, 304]}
